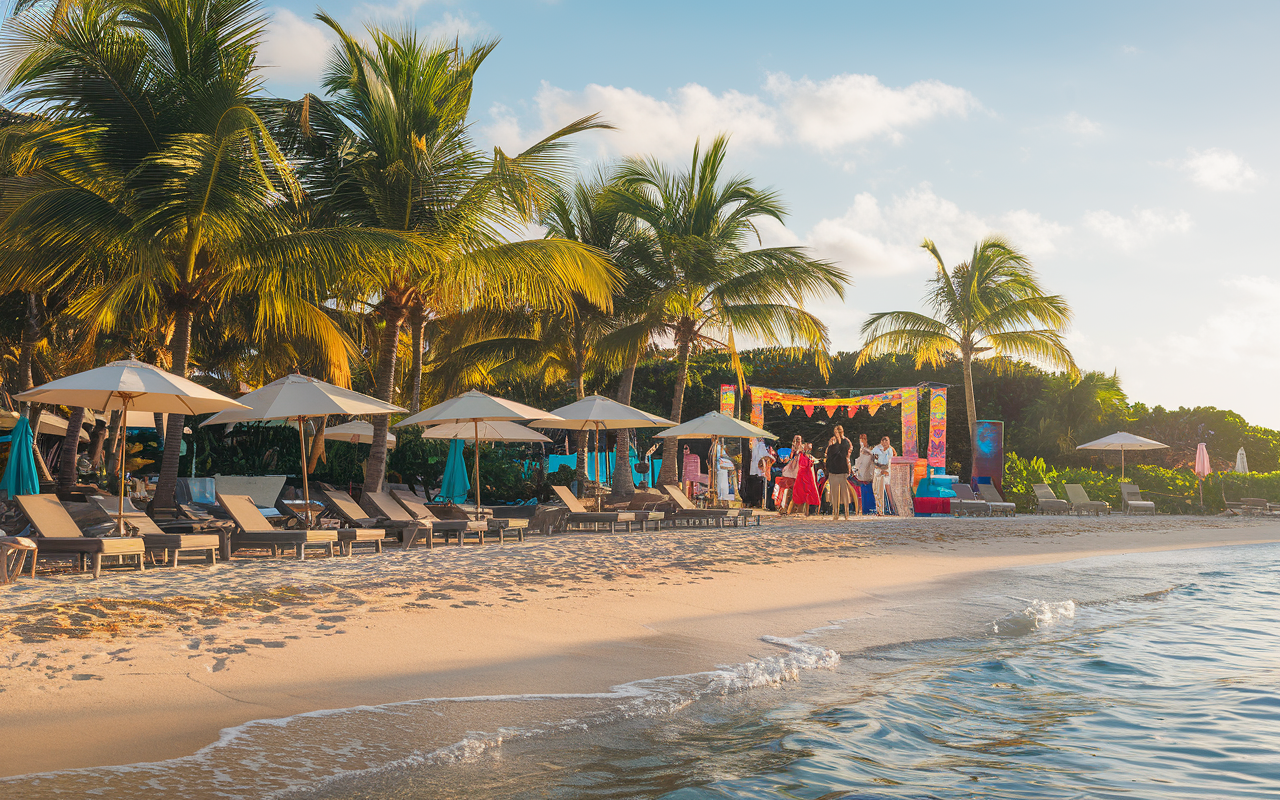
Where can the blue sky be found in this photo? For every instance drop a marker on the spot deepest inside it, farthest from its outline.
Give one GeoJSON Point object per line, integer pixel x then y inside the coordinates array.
{"type": "Point", "coordinates": [1128, 148]}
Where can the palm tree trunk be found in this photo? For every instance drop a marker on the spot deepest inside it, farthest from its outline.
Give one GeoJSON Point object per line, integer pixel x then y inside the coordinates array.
{"type": "Point", "coordinates": [385, 389]}
{"type": "Point", "coordinates": [70, 445]}
{"type": "Point", "coordinates": [180, 347]}
{"type": "Point", "coordinates": [972, 410]}
{"type": "Point", "coordinates": [417, 322]}
{"type": "Point", "coordinates": [113, 441]}
{"type": "Point", "coordinates": [623, 483]}
{"type": "Point", "coordinates": [97, 440]}
{"type": "Point", "coordinates": [670, 472]}
{"type": "Point", "coordinates": [317, 447]}
{"type": "Point", "coordinates": [30, 337]}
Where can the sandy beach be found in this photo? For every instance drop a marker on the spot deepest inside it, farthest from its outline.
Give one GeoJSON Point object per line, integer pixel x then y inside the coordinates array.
{"type": "Point", "coordinates": [152, 666]}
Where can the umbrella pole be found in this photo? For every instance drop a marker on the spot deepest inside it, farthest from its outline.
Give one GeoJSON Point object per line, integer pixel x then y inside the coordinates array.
{"type": "Point", "coordinates": [714, 467]}
{"type": "Point", "coordinates": [306, 488]}
{"type": "Point", "coordinates": [124, 436]}
{"type": "Point", "coordinates": [1122, 463]}
{"type": "Point", "coordinates": [479, 514]}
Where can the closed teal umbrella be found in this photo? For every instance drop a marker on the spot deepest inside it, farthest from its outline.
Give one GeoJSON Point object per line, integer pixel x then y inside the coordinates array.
{"type": "Point", "coordinates": [20, 473]}
{"type": "Point", "coordinates": [455, 485]}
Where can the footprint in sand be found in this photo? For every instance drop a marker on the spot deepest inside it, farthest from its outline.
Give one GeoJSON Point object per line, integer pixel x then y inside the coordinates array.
{"type": "Point", "coordinates": [85, 677]}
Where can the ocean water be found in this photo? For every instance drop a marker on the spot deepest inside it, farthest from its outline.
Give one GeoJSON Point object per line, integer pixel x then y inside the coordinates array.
{"type": "Point", "coordinates": [1149, 676]}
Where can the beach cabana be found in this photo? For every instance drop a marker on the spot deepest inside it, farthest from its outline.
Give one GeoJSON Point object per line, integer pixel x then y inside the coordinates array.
{"type": "Point", "coordinates": [1122, 441]}
{"type": "Point", "coordinates": [298, 398]}
{"type": "Point", "coordinates": [597, 413]}
{"type": "Point", "coordinates": [129, 386]}
{"type": "Point", "coordinates": [473, 408]}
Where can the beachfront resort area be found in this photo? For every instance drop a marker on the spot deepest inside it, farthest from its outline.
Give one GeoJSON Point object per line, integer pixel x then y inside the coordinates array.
{"type": "Point", "coordinates": [435, 402]}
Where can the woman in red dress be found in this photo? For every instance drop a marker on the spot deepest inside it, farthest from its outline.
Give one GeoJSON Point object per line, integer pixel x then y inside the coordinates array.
{"type": "Point", "coordinates": [805, 492]}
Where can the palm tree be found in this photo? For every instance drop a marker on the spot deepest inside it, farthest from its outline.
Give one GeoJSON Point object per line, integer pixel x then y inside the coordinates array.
{"type": "Point", "coordinates": [393, 149]}
{"type": "Point", "coordinates": [708, 286]}
{"type": "Point", "coordinates": [156, 167]}
{"type": "Point", "coordinates": [991, 305]}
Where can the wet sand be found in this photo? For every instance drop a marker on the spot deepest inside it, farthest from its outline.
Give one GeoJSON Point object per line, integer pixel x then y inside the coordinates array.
{"type": "Point", "coordinates": [147, 666]}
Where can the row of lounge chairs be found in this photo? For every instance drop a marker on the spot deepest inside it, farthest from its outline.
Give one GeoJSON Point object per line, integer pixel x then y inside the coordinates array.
{"type": "Point", "coordinates": [1078, 501]}
{"type": "Point", "coordinates": [986, 503]}
{"type": "Point", "coordinates": [379, 518]}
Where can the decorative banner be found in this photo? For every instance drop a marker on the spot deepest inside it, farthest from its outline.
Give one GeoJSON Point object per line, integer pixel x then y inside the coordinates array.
{"type": "Point", "coordinates": [808, 410]}
{"type": "Point", "coordinates": [910, 429]}
{"type": "Point", "coordinates": [938, 427]}
{"type": "Point", "coordinates": [988, 458]}
{"type": "Point", "coordinates": [757, 409]}
{"type": "Point", "coordinates": [728, 398]}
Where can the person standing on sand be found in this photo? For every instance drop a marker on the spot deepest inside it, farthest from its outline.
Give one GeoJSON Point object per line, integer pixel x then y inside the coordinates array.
{"type": "Point", "coordinates": [862, 470]}
{"type": "Point", "coordinates": [805, 491]}
{"type": "Point", "coordinates": [787, 481]}
{"type": "Point", "coordinates": [838, 467]}
{"type": "Point", "coordinates": [881, 456]}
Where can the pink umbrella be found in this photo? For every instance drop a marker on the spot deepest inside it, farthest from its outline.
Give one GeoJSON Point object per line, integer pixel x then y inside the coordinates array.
{"type": "Point", "coordinates": [1202, 469]}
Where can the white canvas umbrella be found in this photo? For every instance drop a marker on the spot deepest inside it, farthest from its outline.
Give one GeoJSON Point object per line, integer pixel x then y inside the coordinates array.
{"type": "Point", "coordinates": [600, 414]}
{"type": "Point", "coordinates": [1122, 441]}
{"type": "Point", "coordinates": [129, 386]}
{"type": "Point", "coordinates": [714, 425]}
{"type": "Point", "coordinates": [47, 423]}
{"type": "Point", "coordinates": [1242, 463]}
{"type": "Point", "coordinates": [500, 431]}
{"type": "Point", "coordinates": [475, 407]}
{"type": "Point", "coordinates": [355, 432]}
{"type": "Point", "coordinates": [297, 397]}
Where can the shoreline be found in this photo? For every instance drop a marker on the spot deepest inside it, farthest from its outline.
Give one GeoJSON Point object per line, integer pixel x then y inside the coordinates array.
{"type": "Point", "coordinates": [568, 615]}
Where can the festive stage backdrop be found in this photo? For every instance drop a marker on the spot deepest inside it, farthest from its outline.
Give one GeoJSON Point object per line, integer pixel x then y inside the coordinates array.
{"type": "Point", "coordinates": [937, 452]}
{"type": "Point", "coordinates": [906, 397]}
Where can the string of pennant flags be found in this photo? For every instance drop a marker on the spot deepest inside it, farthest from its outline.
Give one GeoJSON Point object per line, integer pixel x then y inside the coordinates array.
{"type": "Point", "coordinates": [907, 397]}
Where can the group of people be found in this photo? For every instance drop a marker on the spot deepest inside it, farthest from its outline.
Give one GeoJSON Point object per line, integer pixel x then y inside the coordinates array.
{"type": "Point", "coordinates": [843, 469]}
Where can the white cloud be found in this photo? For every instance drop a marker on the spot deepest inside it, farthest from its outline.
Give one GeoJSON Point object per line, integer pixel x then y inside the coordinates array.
{"type": "Point", "coordinates": [1081, 126]}
{"type": "Point", "coordinates": [1219, 170]}
{"type": "Point", "coordinates": [1142, 227]}
{"type": "Point", "coordinates": [842, 110]}
{"type": "Point", "coordinates": [645, 124]}
{"type": "Point", "coordinates": [294, 49]}
{"type": "Point", "coordinates": [874, 238]}
{"type": "Point", "coordinates": [846, 109]}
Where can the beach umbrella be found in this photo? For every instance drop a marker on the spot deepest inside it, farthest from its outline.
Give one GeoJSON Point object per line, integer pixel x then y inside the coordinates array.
{"type": "Point", "coordinates": [597, 413]}
{"type": "Point", "coordinates": [20, 473]}
{"type": "Point", "coordinates": [129, 386]}
{"type": "Point", "coordinates": [455, 484]}
{"type": "Point", "coordinates": [1242, 463]}
{"type": "Point", "coordinates": [1122, 441]}
{"type": "Point", "coordinates": [475, 407]}
{"type": "Point", "coordinates": [297, 398]}
{"type": "Point", "coordinates": [713, 425]}
{"type": "Point", "coordinates": [495, 431]}
{"type": "Point", "coordinates": [46, 423]}
{"type": "Point", "coordinates": [357, 432]}
{"type": "Point", "coordinates": [1202, 469]}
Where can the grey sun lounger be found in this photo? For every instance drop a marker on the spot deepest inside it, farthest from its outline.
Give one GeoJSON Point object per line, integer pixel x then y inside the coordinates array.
{"type": "Point", "coordinates": [358, 526]}
{"type": "Point", "coordinates": [966, 504]}
{"type": "Point", "coordinates": [1133, 503]}
{"type": "Point", "coordinates": [580, 516]}
{"type": "Point", "coordinates": [170, 546]}
{"type": "Point", "coordinates": [1047, 502]}
{"type": "Point", "coordinates": [252, 531]}
{"type": "Point", "coordinates": [1081, 504]}
{"type": "Point", "coordinates": [420, 511]}
{"type": "Point", "coordinates": [687, 510]}
{"type": "Point", "coordinates": [989, 495]}
{"type": "Point", "coordinates": [60, 536]}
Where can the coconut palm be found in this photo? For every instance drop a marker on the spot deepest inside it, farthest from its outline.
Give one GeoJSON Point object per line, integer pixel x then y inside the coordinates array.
{"type": "Point", "coordinates": [391, 143]}
{"type": "Point", "coordinates": [709, 287]}
{"type": "Point", "coordinates": [991, 305]}
{"type": "Point", "coordinates": [156, 168]}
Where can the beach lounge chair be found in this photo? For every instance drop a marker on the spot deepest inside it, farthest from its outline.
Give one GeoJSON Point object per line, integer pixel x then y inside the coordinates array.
{"type": "Point", "coordinates": [59, 535]}
{"type": "Point", "coordinates": [1047, 502]}
{"type": "Point", "coordinates": [966, 504]}
{"type": "Point", "coordinates": [579, 515]}
{"type": "Point", "coordinates": [358, 527]}
{"type": "Point", "coordinates": [419, 510]}
{"type": "Point", "coordinates": [988, 494]}
{"type": "Point", "coordinates": [13, 556]}
{"type": "Point", "coordinates": [1133, 502]}
{"type": "Point", "coordinates": [547, 519]}
{"type": "Point", "coordinates": [387, 510]}
{"type": "Point", "coordinates": [170, 546]}
{"type": "Point", "coordinates": [686, 510]}
{"type": "Point", "coordinates": [254, 532]}
{"type": "Point", "coordinates": [1081, 504]}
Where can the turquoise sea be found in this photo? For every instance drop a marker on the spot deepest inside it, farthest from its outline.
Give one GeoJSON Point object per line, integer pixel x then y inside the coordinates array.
{"type": "Point", "coordinates": [1151, 676]}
